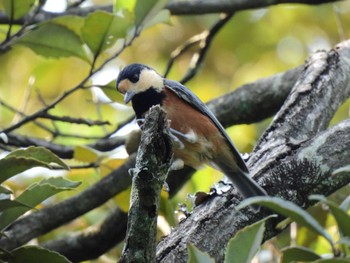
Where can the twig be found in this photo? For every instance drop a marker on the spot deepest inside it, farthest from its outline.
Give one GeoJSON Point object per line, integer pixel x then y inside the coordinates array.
{"type": "Point", "coordinates": [198, 58]}
{"type": "Point", "coordinates": [204, 40]}
{"type": "Point", "coordinates": [8, 35]}
{"type": "Point", "coordinates": [9, 107]}
{"type": "Point", "coordinates": [75, 120]}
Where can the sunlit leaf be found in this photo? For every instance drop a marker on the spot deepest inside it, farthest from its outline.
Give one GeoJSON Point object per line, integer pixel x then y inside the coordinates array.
{"type": "Point", "coordinates": [85, 154]}
{"type": "Point", "coordinates": [297, 254]}
{"type": "Point", "coordinates": [146, 10]}
{"type": "Point", "coordinates": [17, 8]}
{"type": "Point", "coordinates": [33, 254]}
{"type": "Point", "coordinates": [246, 243]}
{"type": "Point", "coordinates": [54, 40]}
{"type": "Point", "coordinates": [34, 195]}
{"type": "Point", "coordinates": [74, 23]}
{"type": "Point", "coordinates": [340, 216]}
{"type": "Point", "coordinates": [39, 153]}
{"type": "Point", "coordinates": [163, 16]}
{"type": "Point", "coordinates": [197, 256]}
{"type": "Point", "coordinates": [288, 209]}
{"type": "Point", "coordinates": [111, 92]}
{"type": "Point", "coordinates": [123, 199]}
{"type": "Point", "coordinates": [11, 166]}
{"type": "Point", "coordinates": [109, 165]}
{"type": "Point", "coordinates": [101, 30]}
{"type": "Point", "coordinates": [124, 4]}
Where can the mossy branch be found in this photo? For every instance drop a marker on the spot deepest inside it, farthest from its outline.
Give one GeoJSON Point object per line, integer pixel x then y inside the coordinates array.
{"type": "Point", "coordinates": [152, 164]}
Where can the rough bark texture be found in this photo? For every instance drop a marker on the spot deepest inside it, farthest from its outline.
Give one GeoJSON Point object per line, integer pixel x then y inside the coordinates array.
{"type": "Point", "coordinates": [152, 165]}
{"type": "Point", "coordinates": [294, 158]}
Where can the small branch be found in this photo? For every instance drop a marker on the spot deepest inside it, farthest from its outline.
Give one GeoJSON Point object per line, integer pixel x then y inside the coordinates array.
{"type": "Point", "coordinates": [204, 44]}
{"type": "Point", "coordinates": [76, 120]}
{"type": "Point", "coordinates": [152, 165]}
{"type": "Point", "coordinates": [204, 40]}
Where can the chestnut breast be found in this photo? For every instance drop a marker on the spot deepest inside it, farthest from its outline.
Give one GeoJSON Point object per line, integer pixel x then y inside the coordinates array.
{"type": "Point", "coordinates": [186, 119]}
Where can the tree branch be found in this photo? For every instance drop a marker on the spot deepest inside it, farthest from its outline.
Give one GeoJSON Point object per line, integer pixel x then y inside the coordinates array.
{"type": "Point", "coordinates": [92, 242]}
{"type": "Point", "coordinates": [288, 147]}
{"type": "Point", "coordinates": [197, 7]}
{"type": "Point", "coordinates": [152, 164]}
{"type": "Point", "coordinates": [194, 7]}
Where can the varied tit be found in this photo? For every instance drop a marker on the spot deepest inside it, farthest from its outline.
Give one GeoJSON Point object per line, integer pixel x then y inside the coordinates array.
{"type": "Point", "coordinates": [197, 134]}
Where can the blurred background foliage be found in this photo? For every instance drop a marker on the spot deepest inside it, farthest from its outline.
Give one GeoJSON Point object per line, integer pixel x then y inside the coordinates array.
{"type": "Point", "coordinates": [252, 45]}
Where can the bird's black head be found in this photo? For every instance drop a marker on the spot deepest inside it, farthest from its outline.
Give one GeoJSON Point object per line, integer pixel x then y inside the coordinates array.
{"type": "Point", "coordinates": [137, 78]}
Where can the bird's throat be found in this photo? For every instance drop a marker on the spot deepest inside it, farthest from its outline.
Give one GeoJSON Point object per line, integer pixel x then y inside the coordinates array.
{"type": "Point", "coordinates": [143, 101]}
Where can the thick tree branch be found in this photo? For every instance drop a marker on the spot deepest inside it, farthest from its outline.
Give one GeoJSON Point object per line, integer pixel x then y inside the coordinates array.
{"type": "Point", "coordinates": [93, 242]}
{"type": "Point", "coordinates": [152, 164]}
{"type": "Point", "coordinates": [289, 160]}
{"type": "Point", "coordinates": [197, 7]}
{"type": "Point", "coordinates": [178, 7]}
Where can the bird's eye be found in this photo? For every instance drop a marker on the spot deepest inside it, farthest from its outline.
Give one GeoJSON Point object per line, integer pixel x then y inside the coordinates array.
{"type": "Point", "coordinates": [134, 78]}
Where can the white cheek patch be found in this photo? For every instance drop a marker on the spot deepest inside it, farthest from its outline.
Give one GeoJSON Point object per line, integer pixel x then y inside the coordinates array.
{"type": "Point", "coordinates": [148, 78]}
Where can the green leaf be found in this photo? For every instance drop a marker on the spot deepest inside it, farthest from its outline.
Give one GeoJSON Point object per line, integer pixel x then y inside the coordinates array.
{"type": "Point", "coordinates": [292, 254]}
{"type": "Point", "coordinates": [288, 209]}
{"type": "Point", "coordinates": [246, 243]}
{"type": "Point", "coordinates": [17, 8]}
{"type": "Point", "coordinates": [345, 205]}
{"type": "Point", "coordinates": [33, 254]}
{"type": "Point", "coordinates": [5, 191]}
{"type": "Point", "coordinates": [340, 216]}
{"type": "Point", "coordinates": [163, 16]}
{"type": "Point", "coordinates": [85, 154]}
{"type": "Point", "coordinates": [197, 256]}
{"type": "Point", "coordinates": [147, 9]}
{"type": "Point", "coordinates": [11, 166]}
{"type": "Point", "coordinates": [111, 92]}
{"type": "Point", "coordinates": [101, 30]}
{"type": "Point", "coordinates": [74, 23]}
{"type": "Point", "coordinates": [53, 40]}
{"type": "Point", "coordinates": [7, 203]}
{"type": "Point", "coordinates": [34, 195]}
{"type": "Point", "coordinates": [40, 154]}
{"type": "Point", "coordinates": [124, 4]}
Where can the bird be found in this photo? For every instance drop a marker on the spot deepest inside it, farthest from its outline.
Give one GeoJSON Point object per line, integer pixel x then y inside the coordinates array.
{"type": "Point", "coordinates": [197, 135]}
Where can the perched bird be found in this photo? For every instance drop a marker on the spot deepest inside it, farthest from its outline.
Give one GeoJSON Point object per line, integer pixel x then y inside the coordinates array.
{"type": "Point", "coordinates": [198, 136]}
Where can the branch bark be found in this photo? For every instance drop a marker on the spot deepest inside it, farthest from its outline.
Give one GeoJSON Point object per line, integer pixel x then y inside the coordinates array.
{"type": "Point", "coordinates": [152, 164]}
{"type": "Point", "coordinates": [92, 242]}
{"type": "Point", "coordinates": [196, 7]}
{"type": "Point", "coordinates": [292, 160]}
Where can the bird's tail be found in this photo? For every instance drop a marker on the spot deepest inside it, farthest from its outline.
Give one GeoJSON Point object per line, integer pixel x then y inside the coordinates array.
{"type": "Point", "coordinates": [245, 184]}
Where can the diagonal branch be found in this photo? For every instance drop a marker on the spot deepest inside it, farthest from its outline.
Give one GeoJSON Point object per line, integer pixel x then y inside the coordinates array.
{"type": "Point", "coordinates": [293, 159]}
{"type": "Point", "coordinates": [177, 7]}
{"type": "Point", "coordinates": [204, 41]}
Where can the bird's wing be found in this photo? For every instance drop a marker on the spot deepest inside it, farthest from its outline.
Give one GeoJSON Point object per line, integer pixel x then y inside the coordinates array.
{"type": "Point", "coordinates": [187, 95]}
